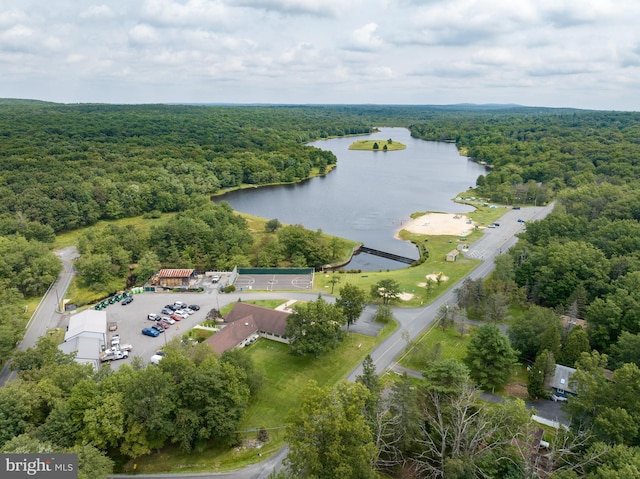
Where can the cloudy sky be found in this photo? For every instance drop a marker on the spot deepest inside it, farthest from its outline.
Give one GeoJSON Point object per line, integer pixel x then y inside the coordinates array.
{"type": "Point", "coordinates": [575, 53]}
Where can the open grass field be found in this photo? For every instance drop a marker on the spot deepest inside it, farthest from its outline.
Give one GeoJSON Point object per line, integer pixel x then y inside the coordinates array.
{"type": "Point", "coordinates": [283, 378]}
{"type": "Point", "coordinates": [433, 345]}
{"type": "Point", "coordinates": [369, 145]}
{"type": "Point", "coordinates": [411, 279]}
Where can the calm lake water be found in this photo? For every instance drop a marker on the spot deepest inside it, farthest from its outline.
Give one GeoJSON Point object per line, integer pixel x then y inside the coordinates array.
{"type": "Point", "coordinates": [370, 194]}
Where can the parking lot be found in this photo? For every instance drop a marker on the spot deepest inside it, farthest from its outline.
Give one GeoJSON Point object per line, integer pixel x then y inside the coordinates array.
{"type": "Point", "coordinates": [132, 318]}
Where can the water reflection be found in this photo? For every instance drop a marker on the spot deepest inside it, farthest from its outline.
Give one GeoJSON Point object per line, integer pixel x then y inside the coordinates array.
{"type": "Point", "coordinates": [369, 195]}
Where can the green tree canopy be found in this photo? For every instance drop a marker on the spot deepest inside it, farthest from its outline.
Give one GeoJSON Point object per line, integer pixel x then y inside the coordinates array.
{"type": "Point", "coordinates": [314, 327]}
{"type": "Point", "coordinates": [490, 358]}
{"type": "Point", "coordinates": [328, 435]}
{"type": "Point", "coordinates": [351, 301]}
{"type": "Point", "coordinates": [388, 289]}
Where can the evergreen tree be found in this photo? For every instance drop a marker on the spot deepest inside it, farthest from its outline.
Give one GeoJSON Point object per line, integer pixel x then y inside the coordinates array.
{"type": "Point", "coordinates": [577, 343]}
{"type": "Point", "coordinates": [490, 358]}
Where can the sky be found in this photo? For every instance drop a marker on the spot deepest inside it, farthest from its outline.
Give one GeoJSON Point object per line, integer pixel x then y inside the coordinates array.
{"type": "Point", "coordinates": [553, 53]}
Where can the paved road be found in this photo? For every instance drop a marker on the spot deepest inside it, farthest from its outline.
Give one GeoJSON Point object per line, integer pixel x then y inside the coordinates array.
{"type": "Point", "coordinates": [47, 315]}
{"type": "Point", "coordinates": [412, 321]}
{"type": "Point", "coordinates": [255, 471]}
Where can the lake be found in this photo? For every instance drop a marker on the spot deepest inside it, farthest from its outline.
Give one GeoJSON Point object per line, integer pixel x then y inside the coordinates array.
{"type": "Point", "coordinates": [370, 194]}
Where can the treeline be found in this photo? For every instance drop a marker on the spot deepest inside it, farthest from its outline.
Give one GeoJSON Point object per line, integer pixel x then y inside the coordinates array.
{"type": "Point", "coordinates": [209, 236]}
{"type": "Point", "coordinates": [67, 166]}
{"type": "Point", "coordinates": [437, 428]}
{"type": "Point", "coordinates": [535, 153]}
{"type": "Point", "coordinates": [191, 399]}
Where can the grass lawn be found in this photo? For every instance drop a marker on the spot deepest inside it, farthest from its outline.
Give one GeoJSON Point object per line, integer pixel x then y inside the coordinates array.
{"type": "Point", "coordinates": [284, 377]}
{"type": "Point", "coordinates": [433, 344]}
{"type": "Point", "coordinates": [368, 145]}
{"type": "Point", "coordinates": [409, 279]}
{"type": "Point", "coordinates": [138, 222]}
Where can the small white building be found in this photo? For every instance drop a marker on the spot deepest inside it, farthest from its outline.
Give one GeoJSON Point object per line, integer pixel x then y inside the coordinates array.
{"type": "Point", "coordinates": [86, 336]}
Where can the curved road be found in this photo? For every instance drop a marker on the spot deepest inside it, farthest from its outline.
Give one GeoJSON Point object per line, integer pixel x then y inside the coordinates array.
{"type": "Point", "coordinates": [412, 321]}
{"type": "Point", "coordinates": [47, 315]}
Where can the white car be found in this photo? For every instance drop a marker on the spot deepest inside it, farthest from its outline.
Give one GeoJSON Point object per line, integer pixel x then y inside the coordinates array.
{"type": "Point", "coordinates": [167, 319]}
{"type": "Point", "coordinates": [188, 311]}
{"type": "Point", "coordinates": [181, 313]}
{"type": "Point", "coordinates": [156, 358]}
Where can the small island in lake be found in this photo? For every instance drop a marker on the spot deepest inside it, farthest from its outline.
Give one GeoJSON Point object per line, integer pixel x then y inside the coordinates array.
{"type": "Point", "coordinates": [377, 145]}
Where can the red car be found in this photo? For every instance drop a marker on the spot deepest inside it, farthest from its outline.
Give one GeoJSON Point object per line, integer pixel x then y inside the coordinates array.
{"type": "Point", "coordinates": [164, 324]}
{"type": "Point", "coordinates": [175, 317]}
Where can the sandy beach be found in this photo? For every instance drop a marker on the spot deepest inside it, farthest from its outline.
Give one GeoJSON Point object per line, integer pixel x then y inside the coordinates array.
{"type": "Point", "coordinates": [440, 224]}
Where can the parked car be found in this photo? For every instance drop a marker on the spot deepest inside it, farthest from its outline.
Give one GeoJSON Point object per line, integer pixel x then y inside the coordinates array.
{"type": "Point", "coordinates": [189, 311]}
{"type": "Point", "coordinates": [176, 317]}
{"type": "Point", "coordinates": [215, 278]}
{"type": "Point", "coordinates": [158, 328]}
{"type": "Point", "coordinates": [126, 300]}
{"type": "Point", "coordinates": [157, 357]}
{"type": "Point", "coordinates": [179, 305]}
{"type": "Point", "coordinates": [171, 307]}
{"type": "Point", "coordinates": [167, 319]}
{"type": "Point", "coordinates": [113, 355]}
{"type": "Point", "coordinates": [180, 313]}
{"type": "Point", "coordinates": [153, 317]}
{"type": "Point", "coordinates": [516, 208]}
{"type": "Point", "coordinates": [166, 310]}
{"type": "Point", "coordinates": [195, 307]}
{"type": "Point", "coordinates": [115, 340]}
{"type": "Point", "coordinates": [151, 332]}
{"type": "Point", "coordinates": [164, 324]}
{"type": "Point", "coordinates": [520, 220]}
{"type": "Point", "coordinates": [558, 398]}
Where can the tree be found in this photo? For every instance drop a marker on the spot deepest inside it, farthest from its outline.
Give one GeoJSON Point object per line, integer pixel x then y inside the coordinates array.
{"type": "Point", "coordinates": [352, 301]}
{"type": "Point", "coordinates": [447, 376]}
{"type": "Point", "coordinates": [45, 352]}
{"type": "Point", "coordinates": [387, 289]}
{"type": "Point", "coordinates": [92, 463]}
{"type": "Point", "coordinates": [577, 343]}
{"type": "Point", "coordinates": [490, 358]}
{"type": "Point", "coordinates": [333, 281]}
{"type": "Point", "coordinates": [463, 440]}
{"type": "Point", "coordinates": [541, 371]}
{"type": "Point", "coordinates": [444, 317]}
{"type": "Point", "coordinates": [328, 435]}
{"type": "Point", "coordinates": [470, 296]}
{"type": "Point", "coordinates": [147, 266]}
{"type": "Point", "coordinates": [384, 313]}
{"type": "Point", "coordinates": [496, 307]}
{"type": "Point", "coordinates": [314, 327]}
{"type": "Point", "coordinates": [272, 226]}
{"type": "Point", "coordinates": [526, 332]}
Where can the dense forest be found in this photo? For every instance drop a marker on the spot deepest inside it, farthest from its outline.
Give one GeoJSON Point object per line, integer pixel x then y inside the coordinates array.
{"type": "Point", "coordinates": [67, 166]}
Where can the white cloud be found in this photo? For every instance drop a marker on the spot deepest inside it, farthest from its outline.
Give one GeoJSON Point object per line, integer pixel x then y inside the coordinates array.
{"type": "Point", "coordinates": [212, 14]}
{"type": "Point", "coordinates": [323, 51]}
{"type": "Point", "coordinates": [365, 38]}
{"type": "Point", "coordinates": [97, 12]}
{"type": "Point", "coordinates": [143, 35]}
{"type": "Point", "coordinates": [322, 8]}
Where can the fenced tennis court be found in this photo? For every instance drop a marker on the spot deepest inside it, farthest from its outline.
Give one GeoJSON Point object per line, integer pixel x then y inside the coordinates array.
{"type": "Point", "coordinates": [274, 279]}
